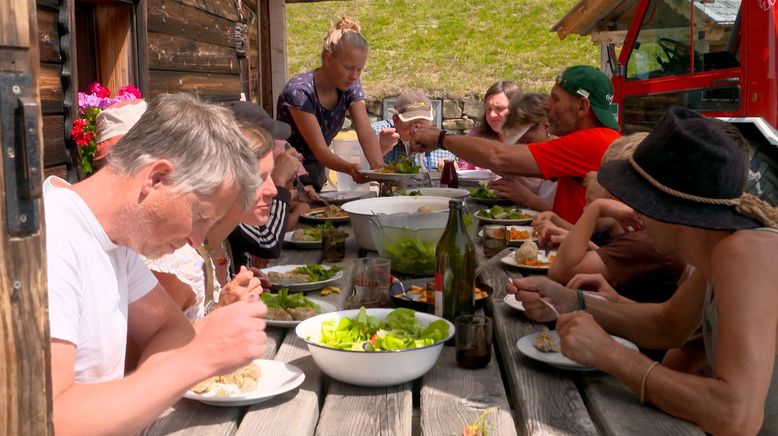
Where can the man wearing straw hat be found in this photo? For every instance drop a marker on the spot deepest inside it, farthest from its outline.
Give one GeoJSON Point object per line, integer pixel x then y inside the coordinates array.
{"type": "Point", "coordinates": [685, 183]}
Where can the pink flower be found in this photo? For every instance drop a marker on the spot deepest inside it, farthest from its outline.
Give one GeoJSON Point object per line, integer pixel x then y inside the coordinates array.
{"type": "Point", "coordinates": [128, 92]}
{"type": "Point", "coordinates": [99, 90]}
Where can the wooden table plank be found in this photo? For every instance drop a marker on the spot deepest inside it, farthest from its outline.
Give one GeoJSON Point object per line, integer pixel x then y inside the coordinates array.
{"type": "Point", "coordinates": [452, 397]}
{"type": "Point", "coordinates": [358, 411]}
{"type": "Point", "coordinates": [546, 400]}
{"type": "Point", "coordinates": [617, 410]}
{"type": "Point", "coordinates": [293, 413]}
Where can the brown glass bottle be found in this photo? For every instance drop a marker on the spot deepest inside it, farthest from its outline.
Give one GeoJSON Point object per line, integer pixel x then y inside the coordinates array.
{"type": "Point", "coordinates": [449, 177]}
{"type": "Point", "coordinates": [454, 267]}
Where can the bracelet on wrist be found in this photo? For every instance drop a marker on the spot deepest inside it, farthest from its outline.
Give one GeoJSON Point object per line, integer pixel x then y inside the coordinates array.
{"type": "Point", "coordinates": [581, 299]}
{"type": "Point", "coordinates": [441, 138]}
{"type": "Point", "coordinates": [643, 382]}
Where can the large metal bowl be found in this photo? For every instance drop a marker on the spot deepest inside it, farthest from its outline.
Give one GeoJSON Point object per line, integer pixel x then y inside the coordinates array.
{"type": "Point", "coordinates": [375, 368]}
{"type": "Point", "coordinates": [360, 212]}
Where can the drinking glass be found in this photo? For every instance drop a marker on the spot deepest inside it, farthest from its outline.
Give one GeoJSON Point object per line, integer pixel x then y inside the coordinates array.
{"type": "Point", "coordinates": [473, 341]}
{"type": "Point", "coordinates": [334, 245]}
{"type": "Point", "coordinates": [495, 239]}
{"type": "Point", "coordinates": [372, 280]}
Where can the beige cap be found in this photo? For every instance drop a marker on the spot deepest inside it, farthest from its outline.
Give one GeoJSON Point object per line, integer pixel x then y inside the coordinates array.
{"type": "Point", "coordinates": [114, 122]}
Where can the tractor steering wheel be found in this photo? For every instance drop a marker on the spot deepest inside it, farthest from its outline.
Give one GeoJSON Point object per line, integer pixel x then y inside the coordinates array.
{"type": "Point", "coordinates": [677, 56]}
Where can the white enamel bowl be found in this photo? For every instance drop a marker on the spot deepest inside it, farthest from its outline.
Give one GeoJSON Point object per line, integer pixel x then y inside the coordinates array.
{"type": "Point", "coordinates": [373, 368]}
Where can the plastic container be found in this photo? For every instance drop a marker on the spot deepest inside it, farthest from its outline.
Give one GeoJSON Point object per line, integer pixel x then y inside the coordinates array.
{"type": "Point", "coordinates": [346, 146]}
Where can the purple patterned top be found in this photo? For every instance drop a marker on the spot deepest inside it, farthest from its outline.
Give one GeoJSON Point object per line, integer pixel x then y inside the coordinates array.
{"type": "Point", "coordinates": [299, 93]}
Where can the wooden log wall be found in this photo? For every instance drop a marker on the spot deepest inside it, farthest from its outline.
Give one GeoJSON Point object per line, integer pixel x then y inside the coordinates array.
{"type": "Point", "coordinates": [192, 47]}
{"type": "Point", "coordinates": [56, 156]}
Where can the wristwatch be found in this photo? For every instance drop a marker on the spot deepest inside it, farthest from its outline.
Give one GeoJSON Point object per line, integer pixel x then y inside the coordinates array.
{"type": "Point", "coordinates": [441, 138]}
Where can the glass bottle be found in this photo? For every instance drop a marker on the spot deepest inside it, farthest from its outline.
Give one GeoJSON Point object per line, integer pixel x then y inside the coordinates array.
{"type": "Point", "coordinates": [449, 177]}
{"type": "Point", "coordinates": [454, 267]}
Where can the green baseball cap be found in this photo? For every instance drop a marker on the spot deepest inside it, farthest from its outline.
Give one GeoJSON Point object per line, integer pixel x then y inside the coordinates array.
{"type": "Point", "coordinates": [592, 84]}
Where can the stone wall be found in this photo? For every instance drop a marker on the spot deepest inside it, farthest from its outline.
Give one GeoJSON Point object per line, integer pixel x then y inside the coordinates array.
{"type": "Point", "coordinates": [459, 116]}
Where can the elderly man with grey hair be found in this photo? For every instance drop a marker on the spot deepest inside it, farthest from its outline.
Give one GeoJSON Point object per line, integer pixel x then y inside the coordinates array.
{"type": "Point", "coordinates": [174, 174]}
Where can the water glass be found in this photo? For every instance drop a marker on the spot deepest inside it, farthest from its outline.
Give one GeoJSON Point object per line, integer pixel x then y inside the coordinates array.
{"type": "Point", "coordinates": [372, 277]}
{"type": "Point", "coordinates": [495, 239]}
{"type": "Point", "coordinates": [473, 341]}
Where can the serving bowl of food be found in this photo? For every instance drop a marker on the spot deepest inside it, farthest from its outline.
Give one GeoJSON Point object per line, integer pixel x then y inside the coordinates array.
{"type": "Point", "coordinates": [409, 240]}
{"type": "Point", "coordinates": [362, 210]}
{"type": "Point", "coordinates": [375, 347]}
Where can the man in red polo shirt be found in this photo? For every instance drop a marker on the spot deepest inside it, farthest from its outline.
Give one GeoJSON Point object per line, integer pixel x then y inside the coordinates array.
{"type": "Point", "coordinates": [579, 114]}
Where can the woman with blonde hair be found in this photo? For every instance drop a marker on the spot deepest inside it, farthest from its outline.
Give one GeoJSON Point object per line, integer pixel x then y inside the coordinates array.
{"type": "Point", "coordinates": [315, 104]}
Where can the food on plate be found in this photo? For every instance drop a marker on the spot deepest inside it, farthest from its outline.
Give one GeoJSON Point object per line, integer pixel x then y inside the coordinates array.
{"type": "Point", "coordinates": [517, 234]}
{"type": "Point", "coordinates": [399, 331]}
{"type": "Point", "coordinates": [538, 263]}
{"type": "Point", "coordinates": [528, 251]}
{"type": "Point", "coordinates": [402, 165]}
{"type": "Point", "coordinates": [425, 296]}
{"type": "Point", "coordinates": [503, 213]}
{"type": "Point", "coordinates": [285, 307]}
{"type": "Point", "coordinates": [243, 380]}
{"type": "Point", "coordinates": [312, 233]}
{"type": "Point", "coordinates": [330, 211]}
{"type": "Point", "coordinates": [411, 255]}
{"type": "Point", "coordinates": [424, 209]}
{"type": "Point", "coordinates": [545, 342]}
{"type": "Point", "coordinates": [485, 192]}
{"type": "Point", "coordinates": [303, 274]}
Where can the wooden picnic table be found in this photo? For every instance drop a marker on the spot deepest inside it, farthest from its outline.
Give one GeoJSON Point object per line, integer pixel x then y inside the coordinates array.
{"type": "Point", "coordinates": [530, 397]}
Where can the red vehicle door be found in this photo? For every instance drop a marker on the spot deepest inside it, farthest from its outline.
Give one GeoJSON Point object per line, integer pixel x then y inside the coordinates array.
{"type": "Point", "coordinates": [685, 53]}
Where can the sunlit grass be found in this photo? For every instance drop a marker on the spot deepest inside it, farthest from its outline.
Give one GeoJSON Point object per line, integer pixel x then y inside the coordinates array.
{"type": "Point", "coordinates": [448, 48]}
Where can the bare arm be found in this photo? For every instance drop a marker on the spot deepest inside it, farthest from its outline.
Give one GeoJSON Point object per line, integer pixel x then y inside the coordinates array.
{"type": "Point", "coordinates": [575, 255]}
{"type": "Point", "coordinates": [735, 395]}
{"type": "Point", "coordinates": [182, 294]}
{"type": "Point", "coordinates": [231, 337]}
{"type": "Point", "coordinates": [367, 138]}
{"type": "Point", "coordinates": [311, 131]}
{"type": "Point", "coordinates": [498, 157]}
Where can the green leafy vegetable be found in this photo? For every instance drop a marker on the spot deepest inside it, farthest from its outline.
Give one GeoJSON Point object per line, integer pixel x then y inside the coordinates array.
{"type": "Point", "coordinates": [315, 232]}
{"type": "Point", "coordinates": [316, 272]}
{"type": "Point", "coordinates": [502, 213]}
{"type": "Point", "coordinates": [399, 331]}
{"type": "Point", "coordinates": [411, 256]}
{"type": "Point", "coordinates": [483, 191]}
{"type": "Point", "coordinates": [402, 165]}
{"type": "Point", "coordinates": [283, 300]}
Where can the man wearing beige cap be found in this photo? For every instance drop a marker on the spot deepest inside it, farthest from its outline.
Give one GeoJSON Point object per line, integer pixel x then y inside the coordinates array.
{"type": "Point", "coordinates": [411, 109]}
{"type": "Point", "coordinates": [112, 124]}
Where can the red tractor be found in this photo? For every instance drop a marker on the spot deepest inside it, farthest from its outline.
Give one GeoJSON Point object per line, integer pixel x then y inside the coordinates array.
{"type": "Point", "coordinates": [718, 57]}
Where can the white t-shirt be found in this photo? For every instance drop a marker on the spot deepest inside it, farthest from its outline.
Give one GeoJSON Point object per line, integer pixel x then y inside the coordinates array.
{"type": "Point", "coordinates": [91, 283]}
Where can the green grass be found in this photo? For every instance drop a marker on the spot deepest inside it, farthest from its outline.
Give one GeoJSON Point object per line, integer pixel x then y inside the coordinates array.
{"type": "Point", "coordinates": [448, 48]}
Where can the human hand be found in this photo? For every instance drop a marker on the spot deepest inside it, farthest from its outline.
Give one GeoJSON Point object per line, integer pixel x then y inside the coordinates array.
{"type": "Point", "coordinates": [545, 216]}
{"type": "Point", "coordinates": [625, 215]}
{"type": "Point", "coordinates": [243, 287]}
{"type": "Point", "coordinates": [597, 284]}
{"type": "Point", "coordinates": [582, 339]}
{"type": "Point", "coordinates": [511, 188]}
{"type": "Point", "coordinates": [263, 280]}
{"type": "Point", "coordinates": [530, 290]}
{"type": "Point", "coordinates": [549, 235]}
{"type": "Point", "coordinates": [424, 138]}
{"type": "Point", "coordinates": [312, 194]}
{"type": "Point", "coordinates": [388, 137]}
{"type": "Point", "coordinates": [285, 169]}
{"type": "Point", "coordinates": [355, 171]}
{"type": "Point", "coordinates": [230, 337]}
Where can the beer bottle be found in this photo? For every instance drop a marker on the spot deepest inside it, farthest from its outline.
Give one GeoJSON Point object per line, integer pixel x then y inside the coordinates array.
{"type": "Point", "coordinates": [449, 177]}
{"type": "Point", "coordinates": [454, 267]}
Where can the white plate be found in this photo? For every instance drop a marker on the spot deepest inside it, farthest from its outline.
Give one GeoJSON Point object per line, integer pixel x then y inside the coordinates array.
{"type": "Point", "coordinates": [339, 197]}
{"type": "Point", "coordinates": [511, 301]}
{"type": "Point", "coordinates": [325, 307]}
{"type": "Point", "coordinates": [276, 378]}
{"type": "Point", "coordinates": [519, 221]}
{"type": "Point", "coordinates": [300, 287]}
{"type": "Point", "coordinates": [301, 244]}
{"type": "Point", "coordinates": [314, 213]}
{"type": "Point", "coordinates": [392, 177]}
{"type": "Point", "coordinates": [508, 260]}
{"type": "Point", "coordinates": [557, 359]}
{"type": "Point", "coordinates": [476, 175]}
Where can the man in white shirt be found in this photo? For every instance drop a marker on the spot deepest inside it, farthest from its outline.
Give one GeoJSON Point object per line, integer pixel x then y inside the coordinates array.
{"type": "Point", "coordinates": [165, 183]}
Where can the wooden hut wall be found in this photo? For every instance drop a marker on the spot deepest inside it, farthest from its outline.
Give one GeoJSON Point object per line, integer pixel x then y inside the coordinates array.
{"type": "Point", "coordinates": [192, 47]}
{"type": "Point", "coordinates": [56, 155]}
